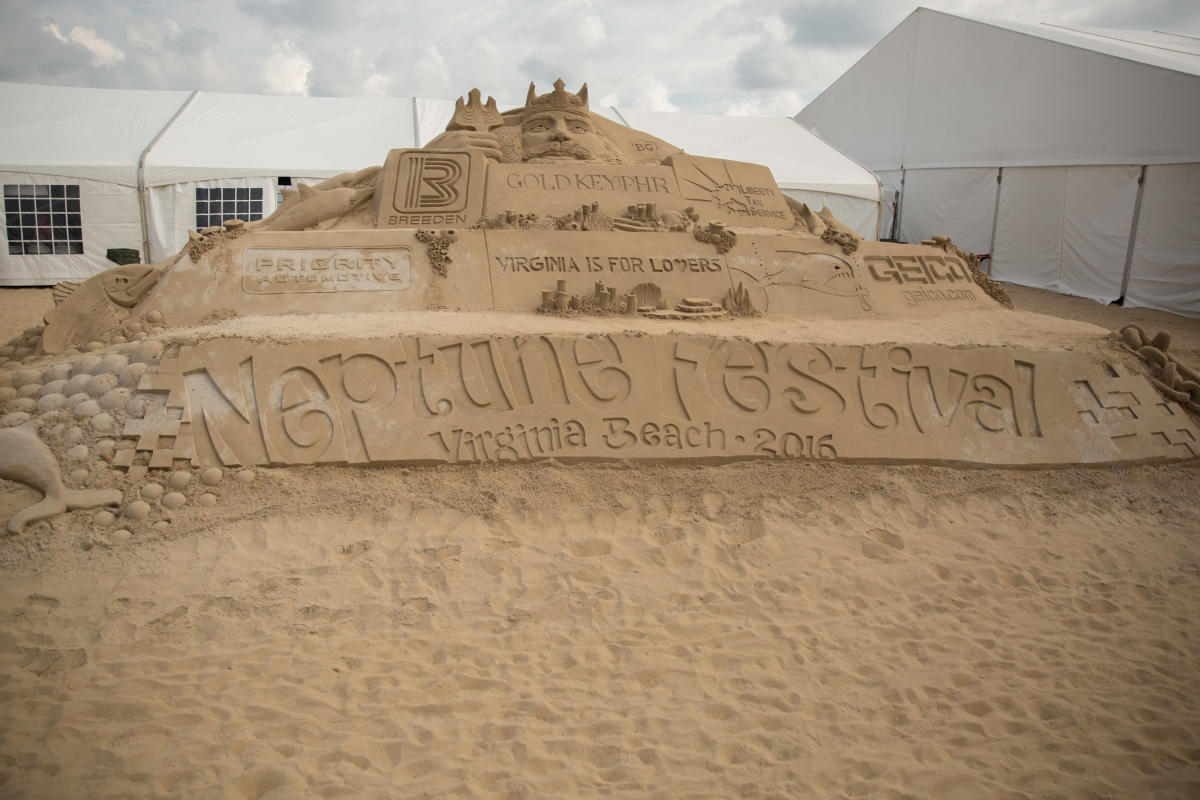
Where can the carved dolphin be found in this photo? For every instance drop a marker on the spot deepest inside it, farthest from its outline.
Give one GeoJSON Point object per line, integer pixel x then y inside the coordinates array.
{"type": "Point", "coordinates": [26, 459]}
{"type": "Point", "coordinates": [85, 312]}
{"type": "Point", "coordinates": [310, 206]}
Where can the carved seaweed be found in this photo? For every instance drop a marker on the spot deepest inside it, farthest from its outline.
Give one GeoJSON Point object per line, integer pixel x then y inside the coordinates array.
{"type": "Point", "coordinates": [717, 234]}
{"type": "Point", "coordinates": [437, 248]}
{"type": "Point", "coordinates": [1173, 378]}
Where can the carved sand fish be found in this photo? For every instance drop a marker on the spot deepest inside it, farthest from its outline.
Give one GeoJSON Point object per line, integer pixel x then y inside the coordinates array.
{"type": "Point", "coordinates": [311, 206]}
{"type": "Point", "coordinates": [89, 311]}
{"type": "Point", "coordinates": [820, 272]}
{"type": "Point", "coordinates": [26, 459]}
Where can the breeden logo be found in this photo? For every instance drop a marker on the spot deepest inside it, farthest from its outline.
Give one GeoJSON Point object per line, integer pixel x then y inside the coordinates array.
{"type": "Point", "coordinates": [432, 182]}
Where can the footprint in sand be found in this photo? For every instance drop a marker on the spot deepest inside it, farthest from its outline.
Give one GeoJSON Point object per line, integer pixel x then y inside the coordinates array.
{"type": "Point", "coordinates": [881, 544]}
{"type": "Point", "coordinates": [589, 548]}
{"type": "Point", "coordinates": [441, 553]}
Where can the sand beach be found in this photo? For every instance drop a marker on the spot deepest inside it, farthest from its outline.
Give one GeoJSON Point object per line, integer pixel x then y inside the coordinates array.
{"type": "Point", "coordinates": [751, 629]}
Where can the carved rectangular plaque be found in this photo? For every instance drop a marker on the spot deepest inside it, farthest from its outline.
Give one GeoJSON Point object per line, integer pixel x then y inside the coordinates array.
{"type": "Point", "coordinates": [430, 189]}
{"type": "Point", "coordinates": [350, 269]}
{"type": "Point", "coordinates": [429, 399]}
{"type": "Point", "coordinates": [553, 189]}
{"type": "Point", "coordinates": [739, 194]}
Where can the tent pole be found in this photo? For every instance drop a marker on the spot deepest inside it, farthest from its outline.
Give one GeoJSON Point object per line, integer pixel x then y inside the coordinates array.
{"type": "Point", "coordinates": [416, 124]}
{"type": "Point", "coordinates": [143, 192]}
{"type": "Point", "coordinates": [899, 206]}
{"type": "Point", "coordinates": [995, 222]}
{"type": "Point", "coordinates": [1133, 226]}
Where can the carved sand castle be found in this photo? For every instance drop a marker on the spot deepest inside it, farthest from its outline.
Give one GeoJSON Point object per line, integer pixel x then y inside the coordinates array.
{"type": "Point", "coordinates": [544, 283]}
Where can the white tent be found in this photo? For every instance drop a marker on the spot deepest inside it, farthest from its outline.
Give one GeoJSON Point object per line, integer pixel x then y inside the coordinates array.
{"type": "Point", "coordinates": [1072, 155]}
{"type": "Point", "coordinates": [146, 167]}
{"type": "Point", "coordinates": [232, 142]}
{"type": "Point", "coordinates": [68, 166]}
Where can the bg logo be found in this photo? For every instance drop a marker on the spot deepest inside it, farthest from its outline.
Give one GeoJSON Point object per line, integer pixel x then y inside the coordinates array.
{"type": "Point", "coordinates": [428, 182]}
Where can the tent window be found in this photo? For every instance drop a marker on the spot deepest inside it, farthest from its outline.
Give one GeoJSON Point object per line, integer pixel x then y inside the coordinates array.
{"type": "Point", "coordinates": [215, 205]}
{"type": "Point", "coordinates": [42, 220]}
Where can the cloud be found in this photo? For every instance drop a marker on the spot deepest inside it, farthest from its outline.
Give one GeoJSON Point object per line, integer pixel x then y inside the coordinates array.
{"type": "Point", "coordinates": [833, 24]}
{"type": "Point", "coordinates": [103, 54]}
{"type": "Point", "coordinates": [778, 104]}
{"type": "Point", "coordinates": [286, 70]}
{"type": "Point", "coordinates": [653, 94]}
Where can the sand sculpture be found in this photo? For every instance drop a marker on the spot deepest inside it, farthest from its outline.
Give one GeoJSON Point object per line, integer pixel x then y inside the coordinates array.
{"type": "Point", "coordinates": [592, 287]}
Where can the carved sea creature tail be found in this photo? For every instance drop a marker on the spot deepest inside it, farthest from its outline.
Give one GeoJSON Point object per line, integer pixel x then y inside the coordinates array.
{"type": "Point", "coordinates": [26, 459]}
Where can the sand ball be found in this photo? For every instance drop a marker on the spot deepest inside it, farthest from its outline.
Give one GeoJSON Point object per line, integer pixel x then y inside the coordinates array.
{"type": "Point", "coordinates": [92, 347]}
{"type": "Point", "coordinates": [161, 525]}
{"type": "Point", "coordinates": [179, 480]}
{"type": "Point", "coordinates": [104, 518]}
{"type": "Point", "coordinates": [106, 449]}
{"type": "Point", "coordinates": [133, 326]}
{"type": "Point", "coordinates": [77, 384]}
{"type": "Point", "coordinates": [115, 399]}
{"type": "Point", "coordinates": [136, 408]}
{"type": "Point", "coordinates": [84, 365]}
{"type": "Point", "coordinates": [212, 476]}
{"type": "Point", "coordinates": [156, 317]}
{"type": "Point", "coordinates": [102, 422]}
{"type": "Point", "coordinates": [51, 402]}
{"type": "Point", "coordinates": [138, 509]}
{"type": "Point", "coordinates": [133, 373]}
{"type": "Point", "coordinates": [33, 390]}
{"type": "Point", "coordinates": [174, 500]}
{"type": "Point", "coordinates": [22, 354]}
{"type": "Point", "coordinates": [53, 387]}
{"type": "Point", "coordinates": [7, 393]}
{"type": "Point", "coordinates": [24, 377]}
{"type": "Point", "coordinates": [58, 429]}
{"type": "Point", "coordinates": [152, 491]}
{"type": "Point", "coordinates": [77, 477]}
{"type": "Point", "coordinates": [112, 364]}
{"type": "Point", "coordinates": [26, 405]}
{"type": "Point", "coordinates": [77, 453]}
{"type": "Point", "coordinates": [208, 499]}
{"type": "Point", "coordinates": [121, 536]}
{"type": "Point", "coordinates": [101, 384]}
{"type": "Point", "coordinates": [56, 372]}
{"type": "Point", "coordinates": [77, 398]}
{"type": "Point", "coordinates": [245, 476]}
{"type": "Point", "coordinates": [147, 351]}
{"type": "Point", "coordinates": [14, 419]}
{"type": "Point", "coordinates": [72, 435]}
{"type": "Point", "coordinates": [87, 409]}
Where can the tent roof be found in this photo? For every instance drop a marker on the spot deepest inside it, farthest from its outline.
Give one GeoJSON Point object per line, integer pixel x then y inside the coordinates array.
{"type": "Point", "coordinates": [94, 134]}
{"type": "Point", "coordinates": [1171, 51]}
{"type": "Point", "coordinates": [796, 157]}
{"type": "Point", "coordinates": [944, 90]}
{"type": "Point", "coordinates": [239, 135]}
{"type": "Point", "coordinates": [102, 133]}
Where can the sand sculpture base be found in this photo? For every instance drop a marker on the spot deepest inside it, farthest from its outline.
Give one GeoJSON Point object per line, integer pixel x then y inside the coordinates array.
{"type": "Point", "coordinates": [644, 390]}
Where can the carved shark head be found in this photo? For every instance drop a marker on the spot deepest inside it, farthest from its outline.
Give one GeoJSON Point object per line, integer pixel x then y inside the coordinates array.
{"type": "Point", "coordinates": [820, 272]}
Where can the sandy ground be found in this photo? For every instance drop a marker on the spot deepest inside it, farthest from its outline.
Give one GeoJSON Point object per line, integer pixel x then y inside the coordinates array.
{"type": "Point", "coordinates": [546, 630]}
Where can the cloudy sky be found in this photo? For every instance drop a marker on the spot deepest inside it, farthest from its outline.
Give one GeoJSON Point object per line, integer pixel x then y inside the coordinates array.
{"type": "Point", "coordinates": [761, 57]}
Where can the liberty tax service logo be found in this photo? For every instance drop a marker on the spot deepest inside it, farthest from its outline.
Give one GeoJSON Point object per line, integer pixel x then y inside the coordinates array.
{"type": "Point", "coordinates": [432, 182]}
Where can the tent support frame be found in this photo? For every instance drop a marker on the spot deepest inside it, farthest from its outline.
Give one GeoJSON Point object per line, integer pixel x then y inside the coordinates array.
{"type": "Point", "coordinates": [143, 192]}
{"type": "Point", "coordinates": [1133, 227]}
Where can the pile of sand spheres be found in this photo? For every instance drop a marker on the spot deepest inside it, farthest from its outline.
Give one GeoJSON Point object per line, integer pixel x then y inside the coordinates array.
{"type": "Point", "coordinates": [543, 283]}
